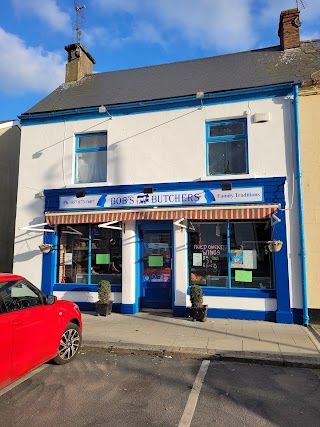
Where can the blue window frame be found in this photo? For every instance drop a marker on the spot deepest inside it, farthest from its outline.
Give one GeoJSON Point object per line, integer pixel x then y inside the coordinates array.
{"type": "Point", "coordinates": [227, 147]}
{"type": "Point", "coordinates": [230, 254]}
{"type": "Point", "coordinates": [91, 158]}
{"type": "Point", "coordinates": [88, 254]}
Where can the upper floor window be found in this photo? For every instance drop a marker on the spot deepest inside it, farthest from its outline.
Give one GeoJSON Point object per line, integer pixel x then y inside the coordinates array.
{"type": "Point", "coordinates": [227, 151]}
{"type": "Point", "coordinates": [91, 158]}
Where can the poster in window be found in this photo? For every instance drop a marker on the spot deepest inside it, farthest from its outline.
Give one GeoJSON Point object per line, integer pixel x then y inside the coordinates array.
{"type": "Point", "coordinates": [243, 276]}
{"type": "Point", "coordinates": [250, 259]}
{"type": "Point", "coordinates": [237, 258]}
{"type": "Point", "coordinates": [197, 259]}
{"type": "Point", "coordinates": [244, 259]}
{"type": "Point", "coordinates": [68, 258]}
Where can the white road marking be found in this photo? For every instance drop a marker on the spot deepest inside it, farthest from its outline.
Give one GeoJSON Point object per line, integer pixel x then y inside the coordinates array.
{"type": "Point", "coordinates": [194, 395]}
{"type": "Point", "coordinates": [22, 379]}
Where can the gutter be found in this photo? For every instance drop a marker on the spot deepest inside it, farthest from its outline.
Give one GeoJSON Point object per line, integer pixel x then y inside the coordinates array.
{"type": "Point", "coordinates": [188, 101]}
{"type": "Point", "coordinates": [300, 207]}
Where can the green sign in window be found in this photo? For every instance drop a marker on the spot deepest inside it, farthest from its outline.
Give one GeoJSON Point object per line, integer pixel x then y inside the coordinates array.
{"type": "Point", "coordinates": [155, 261]}
{"type": "Point", "coordinates": [243, 276]}
{"type": "Point", "coordinates": [102, 258]}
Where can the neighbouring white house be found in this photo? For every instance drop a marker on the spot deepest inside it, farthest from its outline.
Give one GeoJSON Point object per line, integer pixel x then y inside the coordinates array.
{"type": "Point", "coordinates": [161, 177]}
{"type": "Point", "coordinates": [9, 170]}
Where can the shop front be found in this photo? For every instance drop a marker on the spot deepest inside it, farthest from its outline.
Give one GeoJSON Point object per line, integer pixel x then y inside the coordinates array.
{"type": "Point", "coordinates": [153, 243]}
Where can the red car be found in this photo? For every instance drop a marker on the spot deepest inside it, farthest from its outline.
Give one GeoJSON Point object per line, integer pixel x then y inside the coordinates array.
{"type": "Point", "coordinates": [34, 328]}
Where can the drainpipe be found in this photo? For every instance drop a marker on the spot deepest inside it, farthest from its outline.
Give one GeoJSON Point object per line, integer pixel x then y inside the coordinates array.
{"type": "Point", "coordinates": [300, 202]}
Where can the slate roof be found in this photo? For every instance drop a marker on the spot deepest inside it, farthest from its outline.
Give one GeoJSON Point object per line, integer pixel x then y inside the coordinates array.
{"type": "Point", "coordinates": [242, 70]}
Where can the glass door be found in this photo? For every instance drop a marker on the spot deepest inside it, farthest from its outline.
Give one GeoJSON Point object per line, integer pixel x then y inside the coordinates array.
{"type": "Point", "coordinates": [156, 277]}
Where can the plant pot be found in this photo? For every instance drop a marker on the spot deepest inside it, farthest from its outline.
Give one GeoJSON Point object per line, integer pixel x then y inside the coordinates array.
{"type": "Point", "coordinates": [199, 313]}
{"type": "Point", "coordinates": [45, 248]}
{"type": "Point", "coordinates": [103, 308]}
{"type": "Point", "coordinates": [275, 245]}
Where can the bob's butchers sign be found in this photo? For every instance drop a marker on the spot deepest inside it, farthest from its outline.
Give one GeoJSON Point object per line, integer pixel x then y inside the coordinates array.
{"type": "Point", "coordinates": [168, 198]}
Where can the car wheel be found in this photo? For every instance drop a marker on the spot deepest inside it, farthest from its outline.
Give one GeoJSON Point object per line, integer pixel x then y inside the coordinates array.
{"type": "Point", "coordinates": [69, 344]}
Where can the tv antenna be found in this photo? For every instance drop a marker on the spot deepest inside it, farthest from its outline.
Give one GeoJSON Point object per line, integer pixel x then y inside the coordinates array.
{"type": "Point", "coordinates": [302, 2]}
{"type": "Point", "coordinates": [79, 9]}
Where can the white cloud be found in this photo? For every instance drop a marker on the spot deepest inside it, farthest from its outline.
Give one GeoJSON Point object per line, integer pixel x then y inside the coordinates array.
{"type": "Point", "coordinates": [26, 69]}
{"type": "Point", "coordinates": [140, 31]}
{"type": "Point", "coordinates": [310, 35]}
{"type": "Point", "coordinates": [47, 11]}
{"type": "Point", "coordinates": [207, 24]}
{"type": "Point", "coordinates": [222, 25]}
{"type": "Point", "coordinates": [270, 10]}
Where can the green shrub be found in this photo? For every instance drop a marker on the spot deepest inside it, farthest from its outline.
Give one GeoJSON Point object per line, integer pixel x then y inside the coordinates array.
{"type": "Point", "coordinates": [104, 291]}
{"type": "Point", "coordinates": [196, 296]}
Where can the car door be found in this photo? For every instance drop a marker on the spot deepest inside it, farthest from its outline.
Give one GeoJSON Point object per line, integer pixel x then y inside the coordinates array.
{"type": "Point", "coordinates": [5, 346]}
{"type": "Point", "coordinates": [33, 327]}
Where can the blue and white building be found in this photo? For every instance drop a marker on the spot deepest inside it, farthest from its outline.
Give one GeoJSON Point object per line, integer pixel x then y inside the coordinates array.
{"type": "Point", "coordinates": [161, 177]}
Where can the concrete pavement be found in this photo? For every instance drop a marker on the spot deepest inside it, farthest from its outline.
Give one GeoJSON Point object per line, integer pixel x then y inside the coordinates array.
{"type": "Point", "coordinates": [224, 339]}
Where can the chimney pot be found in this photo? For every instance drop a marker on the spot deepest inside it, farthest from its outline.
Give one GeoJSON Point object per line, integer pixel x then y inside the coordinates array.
{"type": "Point", "coordinates": [289, 29]}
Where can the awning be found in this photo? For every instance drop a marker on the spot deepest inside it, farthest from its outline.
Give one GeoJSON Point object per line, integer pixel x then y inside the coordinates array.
{"type": "Point", "coordinates": [196, 213]}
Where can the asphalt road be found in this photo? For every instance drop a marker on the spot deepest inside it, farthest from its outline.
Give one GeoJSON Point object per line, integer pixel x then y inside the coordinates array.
{"type": "Point", "coordinates": [106, 389]}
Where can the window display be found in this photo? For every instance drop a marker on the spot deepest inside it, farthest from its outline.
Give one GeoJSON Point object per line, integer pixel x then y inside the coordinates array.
{"type": "Point", "coordinates": [208, 264]}
{"type": "Point", "coordinates": [89, 254]}
{"type": "Point", "coordinates": [230, 254]}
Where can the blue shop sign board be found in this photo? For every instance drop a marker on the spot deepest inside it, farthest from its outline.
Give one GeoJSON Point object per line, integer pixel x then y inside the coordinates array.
{"type": "Point", "coordinates": [214, 196]}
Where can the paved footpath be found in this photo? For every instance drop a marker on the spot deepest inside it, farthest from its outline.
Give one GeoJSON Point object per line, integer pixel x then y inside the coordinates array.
{"type": "Point", "coordinates": [224, 339]}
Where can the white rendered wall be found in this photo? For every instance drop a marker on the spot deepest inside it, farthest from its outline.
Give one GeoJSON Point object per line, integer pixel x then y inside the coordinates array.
{"type": "Point", "coordinates": [91, 297]}
{"type": "Point", "coordinates": [167, 146]}
{"type": "Point", "coordinates": [258, 304]}
{"type": "Point", "coordinates": [181, 279]}
{"type": "Point", "coordinates": [128, 263]}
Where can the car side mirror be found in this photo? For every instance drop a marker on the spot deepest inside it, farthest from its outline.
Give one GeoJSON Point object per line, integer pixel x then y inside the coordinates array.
{"type": "Point", "coordinates": [51, 299]}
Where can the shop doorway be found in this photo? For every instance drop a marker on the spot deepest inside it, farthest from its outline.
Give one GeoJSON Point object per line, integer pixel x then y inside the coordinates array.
{"type": "Point", "coordinates": [156, 269]}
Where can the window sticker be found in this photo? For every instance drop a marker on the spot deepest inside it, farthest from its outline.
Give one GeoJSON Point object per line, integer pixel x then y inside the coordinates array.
{"type": "Point", "coordinates": [250, 259]}
{"type": "Point", "coordinates": [102, 258]}
{"type": "Point", "coordinates": [155, 261]}
{"type": "Point", "coordinates": [68, 258]}
{"type": "Point", "coordinates": [197, 259]}
{"type": "Point", "coordinates": [243, 276]}
{"type": "Point", "coordinates": [237, 258]}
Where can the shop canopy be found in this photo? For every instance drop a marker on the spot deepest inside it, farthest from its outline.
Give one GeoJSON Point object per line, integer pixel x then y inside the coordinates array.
{"type": "Point", "coordinates": [215, 213]}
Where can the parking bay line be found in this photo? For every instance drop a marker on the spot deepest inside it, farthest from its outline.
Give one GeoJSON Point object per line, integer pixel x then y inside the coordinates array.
{"type": "Point", "coordinates": [194, 395]}
{"type": "Point", "coordinates": [22, 379]}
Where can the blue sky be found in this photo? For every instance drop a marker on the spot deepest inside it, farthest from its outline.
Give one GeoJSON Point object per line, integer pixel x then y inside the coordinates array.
{"type": "Point", "coordinates": [126, 34]}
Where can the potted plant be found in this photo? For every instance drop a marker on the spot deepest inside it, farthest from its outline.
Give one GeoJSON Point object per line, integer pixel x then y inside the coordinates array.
{"type": "Point", "coordinates": [104, 305]}
{"type": "Point", "coordinates": [274, 245]}
{"type": "Point", "coordinates": [198, 311]}
{"type": "Point", "coordinates": [45, 248]}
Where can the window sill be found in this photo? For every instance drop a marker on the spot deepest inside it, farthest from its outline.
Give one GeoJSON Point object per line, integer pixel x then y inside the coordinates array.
{"type": "Point", "coordinates": [237, 292]}
{"type": "Point", "coordinates": [89, 184]}
{"type": "Point", "coordinates": [227, 177]}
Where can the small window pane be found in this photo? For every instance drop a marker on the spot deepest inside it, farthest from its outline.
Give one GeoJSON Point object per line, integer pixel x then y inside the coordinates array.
{"type": "Point", "coordinates": [224, 129]}
{"type": "Point", "coordinates": [248, 255]}
{"type": "Point", "coordinates": [92, 141]}
{"type": "Point", "coordinates": [106, 255]}
{"type": "Point", "coordinates": [73, 254]}
{"type": "Point", "coordinates": [91, 167]}
{"type": "Point", "coordinates": [237, 156]}
{"type": "Point", "coordinates": [218, 164]}
{"type": "Point", "coordinates": [227, 157]}
{"type": "Point", "coordinates": [208, 261]}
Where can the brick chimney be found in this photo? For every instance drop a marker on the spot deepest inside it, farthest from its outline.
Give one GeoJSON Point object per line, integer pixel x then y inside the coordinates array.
{"type": "Point", "coordinates": [79, 64]}
{"type": "Point", "coordinates": [289, 29]}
